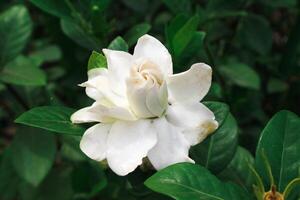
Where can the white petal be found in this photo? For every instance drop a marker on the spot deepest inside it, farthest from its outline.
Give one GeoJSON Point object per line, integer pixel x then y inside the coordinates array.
{"type": "Point", "coordinates": [91, 91]}
{"type": "Point", "coordinates": [151, 48]}
{"type": "Point", "coordinates": [136, 94]}
{"type": "Point", "coordinates": [94, 141]}
{"type": "Point", "coordinates": [112, 113]}
{"type": "Point", "coordinates": [94, 93]}
{"type": "Point", "coordinates": [128, 144]}
{"type": "Point", "coordinates": [195, 119]}
{"type": "Point", "coordinates": [100, 88]}
{"type": "Point", "coordinates": [156, 100]}
{"type": "Point", "coordinates": [191, 85]}
{"type": "Point", "coordinates": [171, 146]}
{"type": "Point", "coordinates": [119, 64]}
{"type": "Point", "coordinates": [85, 115]}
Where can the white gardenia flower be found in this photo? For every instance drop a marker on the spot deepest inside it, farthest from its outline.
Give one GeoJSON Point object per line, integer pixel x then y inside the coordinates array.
{"type": "Point", "coordinates": [144, 110]}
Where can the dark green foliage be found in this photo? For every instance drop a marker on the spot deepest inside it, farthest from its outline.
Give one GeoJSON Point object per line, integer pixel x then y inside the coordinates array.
{"type": "Point", "coordinates": [47, 46]}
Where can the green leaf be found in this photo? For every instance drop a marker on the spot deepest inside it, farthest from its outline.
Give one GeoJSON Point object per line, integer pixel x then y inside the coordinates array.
{"type": "Point", "coordinates": [136, 32]}
{"type": "Point", "coordinates": [281, 143]}
{"type": "Point", "coordinates": [118, 44]}
{"type": "Point", "coordinates": [241, 75]}
{"type": "Point", "coordinates": [216, 152]}
{"type": "Point", "coordinates": [177, 6]}
{"type": "Point", "coordinates": [70, 149]}
{"type": "Point", "coordinates": [83, 36]}
{"type": "Point", "coordinates": [192, 49]}
{"type": "Point", "coordinates": [255, 33]}
{"type": "Point", "coordinates": [58, 8]}
{"type": "Point", "coordinates": [184, 35]}
{"type": "Point", "coordinates": [15, 30]}
{"type": "Point", "coordinates": [96, 60]}
{"type": "Point", "coordinates": [174, 27]}
{"type": "Point", "coordinates": [23, 71]}
{"type": "Point", "coordinates": [51, 118]}
{"type": "Point", "coordinates": [187, 181]}
{"type": "Point", "coordinates": [49, 53]}
{"type": "Point", "coordinates": [238, 170]}
{"type": "Point", "coordinates": [33, 154]}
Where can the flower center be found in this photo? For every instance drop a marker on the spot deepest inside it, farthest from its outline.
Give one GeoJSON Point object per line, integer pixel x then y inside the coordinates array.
{"type": "Point", "coordinates": [146, 90]}
{"type": "Point", "coordinates": [147, 71]}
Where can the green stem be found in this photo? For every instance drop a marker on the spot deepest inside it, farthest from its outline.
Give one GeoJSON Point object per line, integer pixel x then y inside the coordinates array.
{"type": "Point", "coordinates": [268, 168]}
{"type": "Point", "coordinates": [290, 186]}
{"type": "Point", "coordinates": [259, 182]}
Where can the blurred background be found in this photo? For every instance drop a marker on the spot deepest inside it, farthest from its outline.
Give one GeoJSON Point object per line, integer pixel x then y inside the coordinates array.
{"type": "Point", "coordinates": [253, 47]}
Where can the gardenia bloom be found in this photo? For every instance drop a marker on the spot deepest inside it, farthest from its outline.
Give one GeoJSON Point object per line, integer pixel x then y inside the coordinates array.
{"type": "Point", "coordinates": [144, 110]}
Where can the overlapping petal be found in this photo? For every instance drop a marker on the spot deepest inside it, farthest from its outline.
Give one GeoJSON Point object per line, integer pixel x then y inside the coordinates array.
{"type": "Point", "coordinates": [195, 119]}
{"type": "Point", "coordinates": [112, 113]}
{"type": "Point", "coordinates": [150, 48]}
{"type": "Point", "coordinates": [119, 64]}
{"type": "Point", "coordinates": [85, 115]}
{"type": "Point", "coordinates": [94, 141]}
{"type": "Point", "coordinates": [100, 88]}
{"type": "Point", "coordinates": [171, 147]}
{"type": "Point", "coordinates": [128, 143]}
{"type": "Point", "coordinates": [191, 85]}
{"type": "Point", "coordinates": [99, 112]}
{"type": "Point", "coordinates": [92, 91]}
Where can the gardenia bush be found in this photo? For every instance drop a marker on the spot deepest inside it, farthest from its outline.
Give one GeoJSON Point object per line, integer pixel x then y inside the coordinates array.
{"type": "Point", "coordinates": [144, 100]}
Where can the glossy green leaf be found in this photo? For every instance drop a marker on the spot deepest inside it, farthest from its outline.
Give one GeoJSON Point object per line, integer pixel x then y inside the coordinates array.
{"type": "Point", "coordinates": [258, 39]}
{"type": "Point", "coordinates": [192, 48]}
{"type": "Point", "coordinates": [281, 143]}
{"type": "Point", "coordinates": [184, 35]}
{"type": "Point", "coordinates": [173, 27]}
{"type": "Point", "coordinates": [97, 60]}
{"type": "Point", "coordinates": [33, 154]}
{"type": "Point", "coordinates": [136, 32]}
{"type": "Point", "coordinates": [15, 30]}
{"type": "Point", "coordinates": [23, 71]}
{"type": "Point", "coordinates": [241, 75]}
{"type": "Point", "coordinates": [58, 8]}
{"type": "Point", "coordinates": [118, 44]}
{"type": "Point", "coordinates": [238, 170]}
{"type": "Point", "coordinates": [188, 181]}
{"type": "Point", "coordinates": [51, 118]}
{"type": "Point", "coordinates": [83, 36]}
{"type": "Point", "coordinates": [216, 152]}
